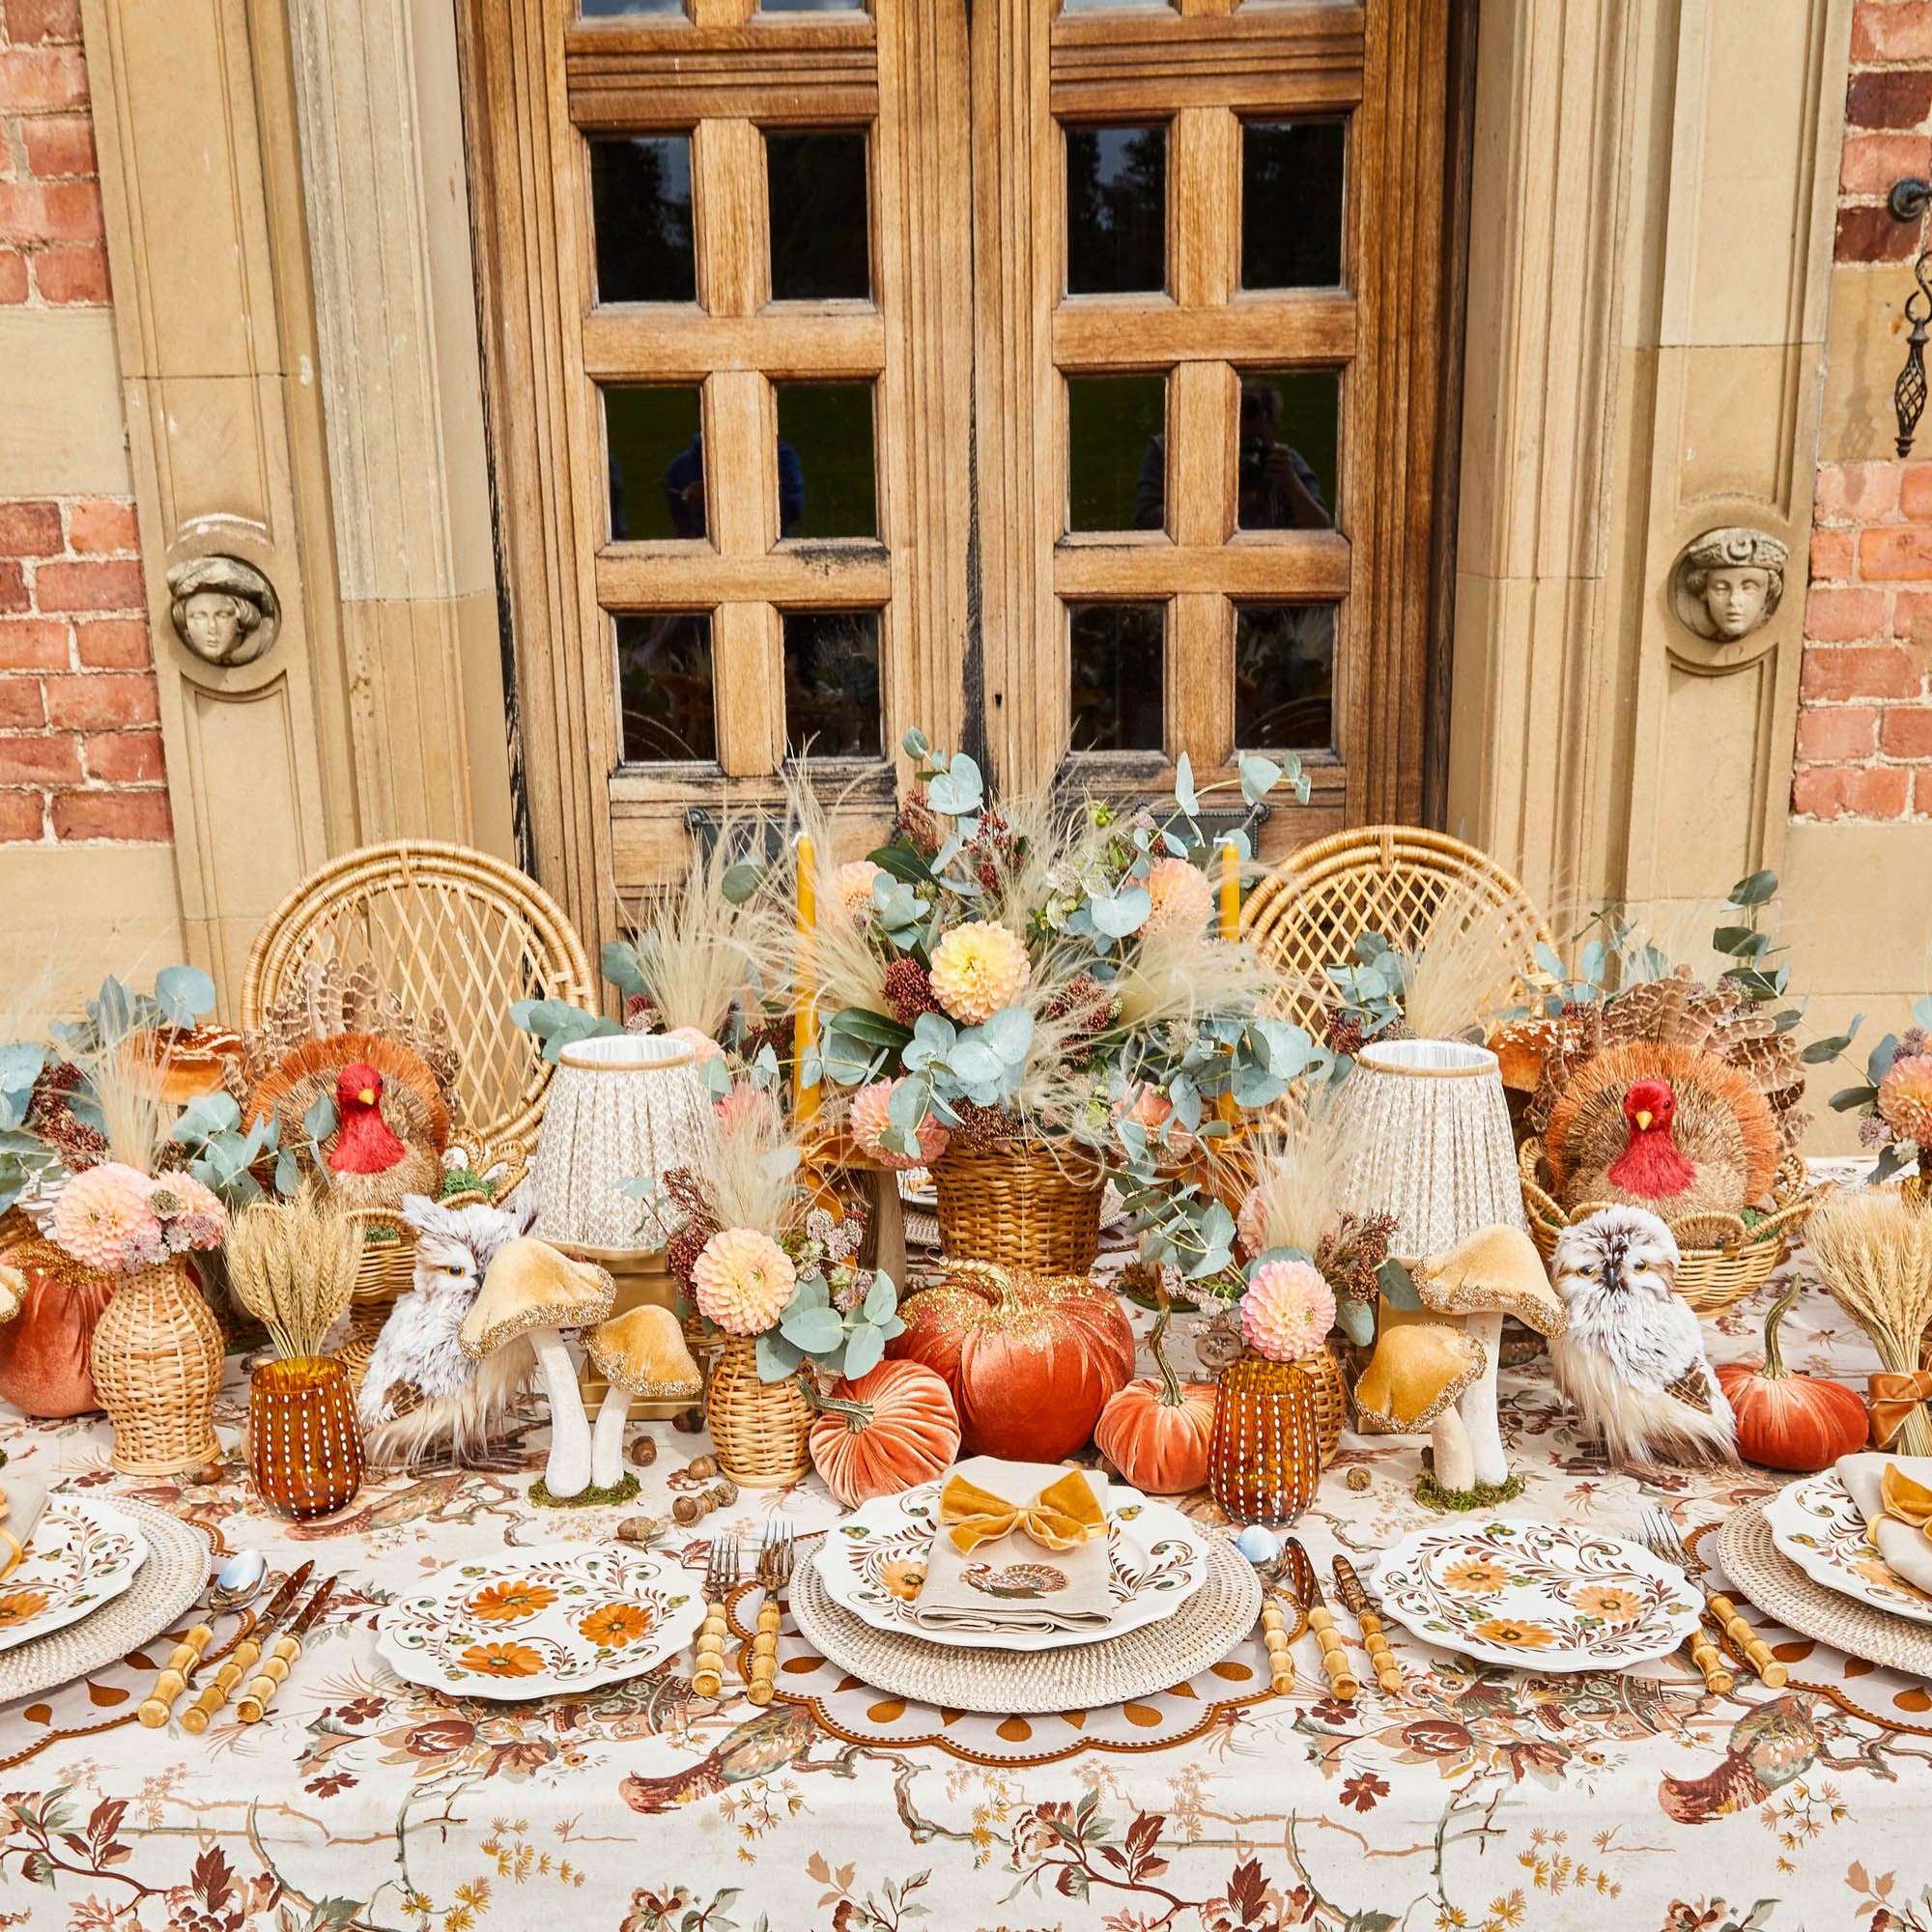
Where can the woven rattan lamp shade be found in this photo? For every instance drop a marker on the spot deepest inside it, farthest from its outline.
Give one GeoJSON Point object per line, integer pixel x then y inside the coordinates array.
{"type": "Point", "coordinates": [1427, 1134]}
{"type": "Point", "coordinates": [624, 1107]}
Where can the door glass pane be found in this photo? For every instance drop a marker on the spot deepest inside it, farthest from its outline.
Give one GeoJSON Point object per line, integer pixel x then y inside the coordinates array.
{"type": "Point", "coordinates": [663, 685]}
{"type": "Point", "coordinates": [826, 485]}
{"type": "Point", "coordinates": [1116, 675]}
{"type": "Point", "coordinates": [657, 462]}
{"type": "Point", "coordinates": [1115, 452]}
{"type": "Point", "coordinates": [1284, 677]}
{"type": "Point", "coordinates": [819, 211]}
{"type": "Point", "coordinates": [641, 209]}
{"type": "Point", "coordinates": [832, 684]}
{"type": "Point", "coordinates": [1112, 6]}
{"type": "Point", "coordinates": [594, 10]}
{"type": "Point", "coordinates": [1285, 449]}
{"type": "Point", "coordinates": [811, 6]}
{"type": "Point", "coordinates": [1292, 203]}
{"type": "Point", "coordinates": [1116, 209]}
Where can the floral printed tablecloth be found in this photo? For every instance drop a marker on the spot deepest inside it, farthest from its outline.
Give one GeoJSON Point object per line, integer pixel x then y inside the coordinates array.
{"type": "Point", "coordinates": [1481, 1797]}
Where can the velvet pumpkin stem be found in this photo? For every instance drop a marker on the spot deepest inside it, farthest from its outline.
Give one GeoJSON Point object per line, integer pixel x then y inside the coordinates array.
{"type": "Point", "coordinates": [859, 1415]}
{"type": "Point", "coordinates": [1774, 1370]}
{"type": "Point", "coordinates": [1169, 1395]}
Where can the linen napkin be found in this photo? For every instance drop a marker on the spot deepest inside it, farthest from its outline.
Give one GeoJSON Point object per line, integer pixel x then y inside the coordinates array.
{"type": "Point", "coordinates": [22, 1499]}
{"type": "Point", "coordinates": [1902, 1543]}
{"type": "Point", "coordinates": [1013, 1581]}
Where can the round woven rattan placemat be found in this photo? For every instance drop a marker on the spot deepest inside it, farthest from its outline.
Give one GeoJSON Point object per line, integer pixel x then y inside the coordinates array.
{"type": "Point", "coordinates": [1083, 1677]}
{"type": "Point", "coordinates": [175, 1573]}
{"type": "Point", "coordinates": [1773, 1582]}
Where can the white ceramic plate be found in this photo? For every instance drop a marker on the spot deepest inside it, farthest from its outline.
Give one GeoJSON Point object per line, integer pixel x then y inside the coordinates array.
{"type": "Point", "coordinates": [1536, 1595]}
{"type": "Point", "coordinates": [540, 1622]}
{"type": "Point", "coordinates": [1816, 1523]}
{"type": "Point", "coordinates": [83, 1553]}
{"type": "Point", "coordinates": [873, 1563]}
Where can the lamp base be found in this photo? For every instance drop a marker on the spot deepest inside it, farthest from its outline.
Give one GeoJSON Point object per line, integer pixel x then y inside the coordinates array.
{"type": "Point", "coordinates": [643, 1277]}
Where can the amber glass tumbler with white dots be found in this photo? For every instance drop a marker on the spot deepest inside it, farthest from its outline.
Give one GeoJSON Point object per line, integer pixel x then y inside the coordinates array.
{"type": "Point", "coordinates": [1266, 1457]}
{"type": "Point", "coordinates": [304, 1443]}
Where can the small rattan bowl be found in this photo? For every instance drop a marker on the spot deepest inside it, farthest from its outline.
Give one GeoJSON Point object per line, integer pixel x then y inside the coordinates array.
{"type": "Point", "coordinates": [1711, 1279]}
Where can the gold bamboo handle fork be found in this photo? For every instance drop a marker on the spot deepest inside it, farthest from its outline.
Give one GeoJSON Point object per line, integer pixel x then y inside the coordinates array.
{"type": "Point", "coordinates": [1660, 1533]}
{"type": "Point", "coordinates": [775, 1561]}
{"type": "Point", "coordinates": [720, 1579]}
{"type": "Point", "coordinates": [241, 1658]}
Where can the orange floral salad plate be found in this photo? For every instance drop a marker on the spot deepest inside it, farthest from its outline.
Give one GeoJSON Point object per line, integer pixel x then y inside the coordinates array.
{"type": "Point", "coordinates": [83, 1554]}
{"type": "Point", "coordinates": [1816, 1523]}
{"type": "Point", "coordinates": [1536, 1596]}
{"type": "Point", "coordinates": [540, 1622]}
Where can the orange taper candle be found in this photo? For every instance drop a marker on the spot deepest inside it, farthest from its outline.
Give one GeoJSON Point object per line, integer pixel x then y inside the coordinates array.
{"type": "Point", "coordinates": [1230, 891]}
{"type": "Point", "coordinates": [804, 1100]}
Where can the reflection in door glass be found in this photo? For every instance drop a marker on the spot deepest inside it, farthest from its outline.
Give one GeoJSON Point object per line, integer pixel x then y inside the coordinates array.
{"type": "Point", "coordinates": [641, 209]}
{"type": "Point", "coordinates": [657, 462]}
{"type": "Point", "coordinates": [1111, 6]}
{"type": "Point", "coordinates": [811, 6]}
{"type": "Point", "coordinates": [820, 245]}
{"type": "Point", "coordinates": [1286, 450]}
{"type": "Point", "coordinates": [1115, 452]}
{"type": "Point", "coordinates": [593, 9]}
{"type": "Point", "coordinates": [1117, 676]}
{"type": "Point", "coordinates": [832, 684]}
{"type": "Point", "coordinates": [663, 686]}
{"type": "Point", "coordinates": [1116, 209]}
{"type": "Point", "coordinates": [826, 487]}
{"type": "Point", "coordinates": [1284, 677]}
{"type": "Point", "coordinates": [1292, 203]}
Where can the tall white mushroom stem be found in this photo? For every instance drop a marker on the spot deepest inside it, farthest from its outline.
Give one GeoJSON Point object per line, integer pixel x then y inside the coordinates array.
{"type": "Point", "coordinates": [1478, 1407]}
{"type": "Point", "coordinates": [568, 1470]}
{"type": "Point", "coordinates": [1450, 1443]}
{"type": "Point", "coordinates": [607, 1445]}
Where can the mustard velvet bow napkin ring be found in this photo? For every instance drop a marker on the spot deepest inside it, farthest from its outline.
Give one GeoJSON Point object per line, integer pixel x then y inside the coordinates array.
{"type": "Point", "coordinates": [1906, 1501]}
{"type": "Point", "coordinates": [1062, 1517]}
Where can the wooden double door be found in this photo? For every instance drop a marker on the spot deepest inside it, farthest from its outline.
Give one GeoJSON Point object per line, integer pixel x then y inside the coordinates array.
{"type": "Point", "coordinates": [1061, 378]}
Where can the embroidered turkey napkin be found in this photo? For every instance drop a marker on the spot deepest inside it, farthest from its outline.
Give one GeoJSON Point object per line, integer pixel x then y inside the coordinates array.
{"type": "Point", "coordinates": [1037, 1555]}
{"type": "Point", "coordinates": [1894, 1496]}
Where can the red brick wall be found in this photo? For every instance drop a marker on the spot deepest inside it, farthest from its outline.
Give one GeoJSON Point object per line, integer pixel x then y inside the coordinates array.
{"type": "Point", "coordinates": [80, 751]}
{"type": "Point", "coordinates": [1864, 723]}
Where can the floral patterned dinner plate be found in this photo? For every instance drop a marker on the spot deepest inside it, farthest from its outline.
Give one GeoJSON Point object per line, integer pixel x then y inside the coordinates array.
{"type": "Point", "coordinates": [540, 1622]}
{"type": "Point", "coordinates": [1536, 1596]}
{"type": "Point", "coordinates": [875, 1562]}
{"type": "Point", "coordinates": [83, 1554]}
{"type": "Point", "coordinates": [1817, 1524]}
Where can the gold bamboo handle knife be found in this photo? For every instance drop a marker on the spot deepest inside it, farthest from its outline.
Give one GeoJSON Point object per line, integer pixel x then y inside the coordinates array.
{"type": "Point", "coordinates": [241, 1658]}
{"type": "Point", "coordinates": [1320, 1620]}
{"type": "Point", "coordinates": [1354, 1593]}
{"type": "Point", "coordinates": [1756, 1652]}
{"type": "Point", "coordinates": [282, 1659]}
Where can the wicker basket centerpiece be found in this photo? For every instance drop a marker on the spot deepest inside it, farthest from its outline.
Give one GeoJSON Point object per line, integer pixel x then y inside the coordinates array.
{"type": "Point", "coordinates": [1031, 1206]}
{"type": "Point", "coordinates": [1711, 1275]}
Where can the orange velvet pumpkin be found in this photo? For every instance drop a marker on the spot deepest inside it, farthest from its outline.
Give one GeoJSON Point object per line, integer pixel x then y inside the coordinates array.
{"type": "Point", "coordinates": [894, 1427]}
{"type": "Point", "coordinates": [1157, 1433]}
{"type": "Point", "coordinates": [1030, 1359]}
{"type": "Point", "coordinates": [1786, 1421]}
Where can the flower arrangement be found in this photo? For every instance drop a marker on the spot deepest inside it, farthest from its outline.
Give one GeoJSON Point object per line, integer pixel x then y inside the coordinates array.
{"type": "Point", "coordinates": [761, 1259]}
{"type": "Point", "coordinates": [1894, 1100]}
{"type": "Point", "coordinates": [1038, 974]}
{"type": "Point", "coordinates": [115, 1218]}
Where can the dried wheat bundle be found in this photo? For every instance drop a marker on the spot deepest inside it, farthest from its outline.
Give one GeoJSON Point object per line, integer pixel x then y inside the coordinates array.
{"type": "Point", "coordinates": [293, 1264]}
{"type": "Point", "coordinates": [1873, 1248]}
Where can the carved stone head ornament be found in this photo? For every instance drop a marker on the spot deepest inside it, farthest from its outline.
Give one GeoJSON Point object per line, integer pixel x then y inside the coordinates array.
{"type": "Point", "coordinates": [224, 611]}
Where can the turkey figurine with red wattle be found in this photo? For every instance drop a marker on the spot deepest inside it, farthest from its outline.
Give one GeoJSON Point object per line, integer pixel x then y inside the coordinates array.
{"type": "Point", "coordinates": [392, 1121]}
{"type": "Point", "coordinates": [1682, 1133]}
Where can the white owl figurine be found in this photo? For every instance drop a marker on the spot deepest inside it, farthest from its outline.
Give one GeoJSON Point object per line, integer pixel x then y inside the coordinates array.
{"type": "Point", "coordinates": [1632, 1357]}
{"type": "Point", "coordinates": [423, 1399]}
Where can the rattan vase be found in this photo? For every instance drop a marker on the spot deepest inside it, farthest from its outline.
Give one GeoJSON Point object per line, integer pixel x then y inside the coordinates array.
{"type": "Point", "coordinates": [1265, 1456]}
{"type": "Point", "coordinates": [304, 1443]}
{"type": "Point", "coordinates": [758, 1428]}
{"type": "Point", "coordinates": [383, 1275]}
{"type": "Point", "coordinates": [157, 1363]}
{"type": "Point", "coordinates": [1029, 1208]}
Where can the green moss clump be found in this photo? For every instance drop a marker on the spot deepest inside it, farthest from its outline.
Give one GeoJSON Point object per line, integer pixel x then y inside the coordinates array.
{"type": "Point", "coordinates": [589, 1497]}
{"type": "Point", "coordinates": [1431, 1495]}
